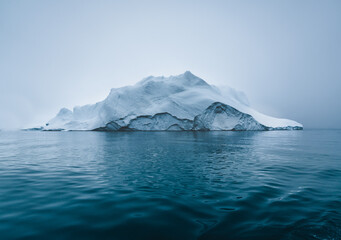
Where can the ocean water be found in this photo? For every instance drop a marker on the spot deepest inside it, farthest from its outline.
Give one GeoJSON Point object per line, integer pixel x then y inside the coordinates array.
{"type": "Point", "coordinates": [170, 185]}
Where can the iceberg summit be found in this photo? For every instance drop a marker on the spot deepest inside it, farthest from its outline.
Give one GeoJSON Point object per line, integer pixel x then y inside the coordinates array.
{"type": "Point", "coordinates": [177, 103]}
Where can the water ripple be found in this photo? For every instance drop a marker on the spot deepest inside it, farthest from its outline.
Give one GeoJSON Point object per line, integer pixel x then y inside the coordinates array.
{"type": "Point", "coordinates": [210, 185]}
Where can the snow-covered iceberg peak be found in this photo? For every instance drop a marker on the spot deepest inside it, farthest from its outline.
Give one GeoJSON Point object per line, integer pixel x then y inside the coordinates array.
{"type": "Point", "coordinates": [187, 79]}
{"type": "Point", "coordinates": [169, 103]}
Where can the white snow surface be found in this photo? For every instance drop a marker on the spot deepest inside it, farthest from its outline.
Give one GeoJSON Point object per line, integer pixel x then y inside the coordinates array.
{"type": "Point", "coordinates": [184, 96]}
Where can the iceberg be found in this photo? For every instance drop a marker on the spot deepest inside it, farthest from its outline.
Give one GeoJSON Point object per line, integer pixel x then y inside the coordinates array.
{"type": "Point", "coordinates": [176, 103]}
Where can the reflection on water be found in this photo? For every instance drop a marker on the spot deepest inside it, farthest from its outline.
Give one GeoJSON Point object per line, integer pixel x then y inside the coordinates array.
{"type": "Point", "coordinates": [171, 185]}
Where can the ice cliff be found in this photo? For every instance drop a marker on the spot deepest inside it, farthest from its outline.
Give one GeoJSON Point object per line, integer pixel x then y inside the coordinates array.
{"type": "Point", "coordinates": [175, 103]}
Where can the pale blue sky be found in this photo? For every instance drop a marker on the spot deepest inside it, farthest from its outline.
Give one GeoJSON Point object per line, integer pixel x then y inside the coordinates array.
{"type": "Point", "coordinates": [285, 55]}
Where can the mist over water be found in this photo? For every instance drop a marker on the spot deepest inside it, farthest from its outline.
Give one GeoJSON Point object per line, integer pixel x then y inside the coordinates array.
{"type": "Point", "coordinates": [285, 55]}
{"type": "Point", "coordinates": [170, 185]}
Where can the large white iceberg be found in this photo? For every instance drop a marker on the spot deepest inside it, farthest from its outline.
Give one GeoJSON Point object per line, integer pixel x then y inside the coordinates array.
{"type": "Point", "coordinates": [183, 102]}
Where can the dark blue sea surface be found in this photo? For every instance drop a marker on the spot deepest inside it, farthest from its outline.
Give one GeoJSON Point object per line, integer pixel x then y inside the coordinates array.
{"type": "Point", "coordinates": [170, 185]}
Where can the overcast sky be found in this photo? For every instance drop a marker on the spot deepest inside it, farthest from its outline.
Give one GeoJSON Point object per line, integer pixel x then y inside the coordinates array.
{"type": "Point", "coordinates": [285, 55]}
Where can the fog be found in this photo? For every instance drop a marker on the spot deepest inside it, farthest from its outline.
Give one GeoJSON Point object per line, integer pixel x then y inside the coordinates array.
{"type": "Point", "coordinates": [285, 55]}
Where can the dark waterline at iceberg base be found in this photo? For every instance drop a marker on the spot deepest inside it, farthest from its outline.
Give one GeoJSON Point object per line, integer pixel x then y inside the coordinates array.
{"type": "Point", "coordinates": [170, 185]}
